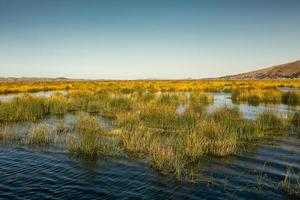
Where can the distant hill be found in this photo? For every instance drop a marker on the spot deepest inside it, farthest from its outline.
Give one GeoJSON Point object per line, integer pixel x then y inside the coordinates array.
{"type": "Point", "coordinates": [284, 71]}
{"type": "Point", "coordinates": [31, 79]}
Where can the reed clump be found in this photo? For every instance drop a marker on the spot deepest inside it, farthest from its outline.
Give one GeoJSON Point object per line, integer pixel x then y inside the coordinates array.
{"type": "Point", "coordinates": [40, 135]}
{"type": "Point", "coordinates": [87, 140]}
{"type": "Point", "coordinates": [199, 101]}
{"type": "Point", "coordinates": [200, 97]}
{"type": "Point", "coordinates": [269, 122]}
{"type": "Point", "coordinates": [57, 104]}
{"type": "Point", "coordinates": [208, 139]}
{"type": "Point", "coordinates": [25, 108]}
{"type": "Point", "coordinates": [258, 95]}
{"type": "Point", "coordinates": [137, 139]}
{"type": "Point", "coordinates": [162, 154]}
{"type": "Point", "coordinates": [291, 183]}
{"type": "Point", "coordinates": [295, 119]}
{"type": "Point", "coordinates": [291, 98]}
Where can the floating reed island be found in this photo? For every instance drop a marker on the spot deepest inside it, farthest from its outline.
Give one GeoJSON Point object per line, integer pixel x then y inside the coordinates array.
{"type": "Point", "coordinates": [166, 123]}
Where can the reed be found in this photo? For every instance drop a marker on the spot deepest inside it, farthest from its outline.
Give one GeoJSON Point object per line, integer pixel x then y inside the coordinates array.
{"type": "Point", "coordinates": [269, 122]}
{"type": "Point", "coordinates": [87, 139]}
{"type": "Point", "coordinates": [168, 99]}
{"type": "Point", "coordinates": [257, 95]}
{"type": "Point", "coordinates": [199, 101]}
{"type": "Point", "coordinates": [291, 98]}
{"type": "Point", "coordinates": [201, 98]}
{"type": "Point", "coordinates": [23, 108]}
{"type": "Point", "coordinates": [212, 136]}
{"type": "Point", "coordinates": [291, 183]}
{"type": "Point", "coordinates": [137, 139]}
{"type": "Point", "coordinates": [162, 155]}
{"type": "Point", "coordinates": [57, 104]}
{"type": "Point", "coordinates": [40, 135]}
{"type": "Point", "coordinates": [166, 157]}
{"type": "Point", "coordinates": [166, 118]}
{"type": "Point", "coordinates": [295, 119]}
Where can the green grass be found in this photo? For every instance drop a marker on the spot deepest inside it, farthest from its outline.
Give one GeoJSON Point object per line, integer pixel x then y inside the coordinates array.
{"type": "Point", "coordinates": [57, 104]}
{"type": "Point", "coordinates": [295, 119]}
{"type": "Point", "coordinates": [290, 98]}
{"type": "Point", "coordinates": [199, 101]}
{"type": "Point", "coordinates": [269, 122]}
{"type": "Point", "coordinates": [167, 99]}
{"type": "Point", "coordinates": [211, 136]}
{"type": "Point", "coordinates": [25, 108]}
{"type": "Point", "coordinates": [87, 140]}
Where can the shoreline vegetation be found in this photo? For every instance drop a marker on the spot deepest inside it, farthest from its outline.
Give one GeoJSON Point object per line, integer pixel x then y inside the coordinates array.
{"type": "Point", "coordinates": [148, 121]}
{"type": "Point", "coordinates": [243, 91]}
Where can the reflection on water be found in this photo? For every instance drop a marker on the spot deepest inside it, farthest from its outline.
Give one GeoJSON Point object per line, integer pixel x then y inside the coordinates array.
{"type": "Point", "coordinates": [250, 111]}
{"type": "Point", "coordinates": [26, 173]}
{"type": "Point", "coordinates": [7, 97]}
{"type": "Point", "coordinates": [289, 89]}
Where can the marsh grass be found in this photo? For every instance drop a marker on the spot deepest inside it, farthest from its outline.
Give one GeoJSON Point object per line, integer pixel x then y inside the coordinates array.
{"type": "Point", "coordinates": [291, 183]}
{"type": "Point", "coordinates": [291, 98]}
{"type": "Point", "coordinates": [148, 122]}
{"type": "Point", "coordinates": [167, 119]}
{"type": "Point", "coordinates": [199, 101]}
{"type": "Point", "coordinates": [8, 134]}
{"type": "Point", "coordinates": [90, 140]}
{"type": "Point", "coordinates": [168, 99]}
{"type": "Point", "coordinates": [57, 104]}
{"type": "Point", "coordinates": [295, 119]}
{"type": "Point", "coordinates": [212, 136]}
{"type": "Point", "coordinates": [23, 108]}
{"type": "Point", "coordinates": [87, 139]}
{"type": "Point", "coordinates": [269, 122]}
{"type": "Point", "coordinates": [40, 135]}
{"type": "Point", "coordinates": [254, 96]}
{"type": "Point", "coordinates": [137, 139]}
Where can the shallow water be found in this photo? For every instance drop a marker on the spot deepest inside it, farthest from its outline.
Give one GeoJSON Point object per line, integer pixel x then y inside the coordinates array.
{"type": "Point", "coordinates": [7, 97]}
{"type": "Point", "coordinates": [35, 174]}
{"type": "Point", "coordinates": [52, 173]}
{"type": "Point", "coordinates": [250, 111]}
{"type": "Point", "coordinates": [289, 89]}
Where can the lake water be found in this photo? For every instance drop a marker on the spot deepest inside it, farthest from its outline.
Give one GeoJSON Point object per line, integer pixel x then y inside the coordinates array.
{"type": "Point", "coordinates": [5, 98]}
{"type": "Point", "coordinates": [52, 173]}
{"type": "Point", "coordinates": [250, 111]}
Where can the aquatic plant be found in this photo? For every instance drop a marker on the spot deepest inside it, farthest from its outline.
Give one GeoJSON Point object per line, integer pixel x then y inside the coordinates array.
{"type": "Point", "coordinates": [168, 99]}
{"type": "Point", "coordinates": [295, 119]}
{"type": "Point", "coordinates": [254, 96]}
{"type": "Point", "coordinates": [40, 135]}
{"type": "Point", "coordinates": [23, 108]}
{"type": "Point", "coordinates": [291, 183]}
{"type": "Point", "coordinates": [199, 101]}
{"type": "Point", "coordinates": [137, 139]}
{"type": "Point", "coordinates": [290, 98]}
{"type": "Point", "coordinates": [268, 121]}
{"type": "Point", "coordinates": [57, 104]}
{"type": "Point", "coordinates": [10, 134]}
{"type": "Point", "coordinates": [212, 137]}
{"type": "Point", "coordinates": [166, 157]}
{"type": "Point", "coordinates": [87, 139]}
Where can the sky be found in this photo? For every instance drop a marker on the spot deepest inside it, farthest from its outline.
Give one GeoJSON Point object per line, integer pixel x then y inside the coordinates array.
{"type": "Point", "coordinates": [139, 39]}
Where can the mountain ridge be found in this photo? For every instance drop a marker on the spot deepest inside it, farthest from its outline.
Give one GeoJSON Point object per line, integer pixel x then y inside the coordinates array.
{"type": "Point", "coordinates": [289, 70]}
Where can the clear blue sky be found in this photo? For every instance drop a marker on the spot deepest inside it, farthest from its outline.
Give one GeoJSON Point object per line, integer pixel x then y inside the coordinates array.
{"type": "Point", "coordinates": [131, 39]}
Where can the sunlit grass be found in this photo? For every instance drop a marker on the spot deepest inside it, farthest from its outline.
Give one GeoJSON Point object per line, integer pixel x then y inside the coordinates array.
{"type": "Point", "coordinates": [40, 135]}
{"type": "Point", "coordinates": [23, 108]}
{"type": "Point", "coordinates": [148, 121]}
